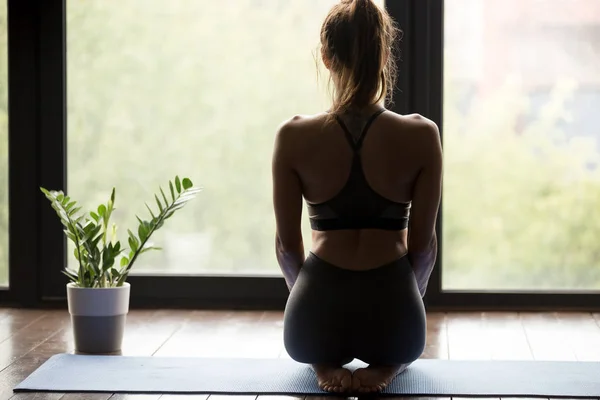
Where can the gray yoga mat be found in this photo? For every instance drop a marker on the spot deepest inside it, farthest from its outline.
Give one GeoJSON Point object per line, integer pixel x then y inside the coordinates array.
{"type": "Point", "coordinates": [79, 373]}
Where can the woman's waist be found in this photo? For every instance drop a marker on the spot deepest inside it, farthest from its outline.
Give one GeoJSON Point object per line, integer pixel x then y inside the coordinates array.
{"type": "Point", "coordinates": [359, 250]}
{"type": "Point", "coordinates": [320, 273]}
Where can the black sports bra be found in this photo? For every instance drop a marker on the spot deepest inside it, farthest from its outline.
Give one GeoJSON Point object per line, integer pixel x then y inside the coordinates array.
{"type": "Point", "coordinates": [357, 205]}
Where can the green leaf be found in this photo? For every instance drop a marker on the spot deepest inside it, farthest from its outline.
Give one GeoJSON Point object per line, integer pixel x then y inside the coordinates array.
{"type": "Point", "coordinates": [70, 235]}
{"type": "Point", "coordinates": [76, 254]}
{"type": "Point", "coordinates": [133, 244]}
{"type": "Point", "coordinates": [148, 247]}
{"type": "Point", "coordinates": [91, 270]}
{"type": "Point", "coordinates": [133, 241]}
{"type": "Point", "coordinates": [164, 197]}
{"type": "Point", "coordinates": [142, 232]}
{"type": "Point", "coordinates": [160, 206]}
{"type": "Point", "coordinates": [101, 210]}
{"type": "Point", "coordinates": [122, 279]}
{"type": "Point", "coordinates": [172, 190]}
{"type": "Point", "coordinates": [187, 183]}
{"type": "Point", "coordinates": [124, 261]}
{"type": "Point", "coordinates": [72, 277]}
{"type": "Point", "coordinates": [150, 211]}
{"type": "Point", "coordinates": [178, 184]}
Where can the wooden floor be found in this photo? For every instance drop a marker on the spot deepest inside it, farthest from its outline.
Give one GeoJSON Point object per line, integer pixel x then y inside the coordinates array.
{"type": "Point", "coordinates": [29, 337]}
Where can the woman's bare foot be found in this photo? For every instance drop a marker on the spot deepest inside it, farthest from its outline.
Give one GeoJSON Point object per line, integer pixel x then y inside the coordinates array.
{"type": "Point", "coordinates": [375, 378]}
{"type": "Point", "coordinates": [333, 379]}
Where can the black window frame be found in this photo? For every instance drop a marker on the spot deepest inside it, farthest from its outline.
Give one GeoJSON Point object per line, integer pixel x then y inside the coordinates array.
{"type": "Point", "coordinates": [37, 147]}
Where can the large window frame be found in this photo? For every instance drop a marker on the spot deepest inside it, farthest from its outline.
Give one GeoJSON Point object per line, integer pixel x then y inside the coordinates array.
{"type": "Point", "coordinates": [37, 146]}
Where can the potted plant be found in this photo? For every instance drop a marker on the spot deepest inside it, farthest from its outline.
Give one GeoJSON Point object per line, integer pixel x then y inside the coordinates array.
{"type": "Point", "coordinates": [98, 294]}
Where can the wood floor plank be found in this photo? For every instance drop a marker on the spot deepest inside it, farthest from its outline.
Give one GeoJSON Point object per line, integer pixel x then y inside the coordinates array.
{"type": "Point", "coordinates": [144, 337]}
{"type": "Point", "coordinates": [86, 396]}
{"type": "Point", "coordinates": [547, 340]}
{"type": "Point", "coordinates": [506, 336]}
{"type": "Point", "coordinates": [35, 335]}
{"type": "Point", "coordinates": [468, 340]}
{"type": "Point", "coordinates": [26, 339]}
{"type": "Point", "coordinates": [25, 365]}
{"type": "Point", "coordinates": [244, 334]}
{"type": "Point", "coordinates": [135, 397]}
{"type": "Point", "coordinates": [437, 337]}
{"type": "Point", "coordinates": [467, 337]}
{"type": "Point", "coordinates": [273, 325]}
{"type": "Point", "coordinates": [15, 321]}
{"type": "Point", "coordinates": [36, 396]}
{"type": "Point", "coordinates": [583, 334]}
{"type": "Point", "coordinates": [184, 397]}
{"type": "Point", "coordinates": [272, 322]}
{"type": "Point", "coordinates": [136, 342]}
{"type": "Point", "coordinates": [5, 312]}
{"type": "Point", "coordinates": [596, 317]}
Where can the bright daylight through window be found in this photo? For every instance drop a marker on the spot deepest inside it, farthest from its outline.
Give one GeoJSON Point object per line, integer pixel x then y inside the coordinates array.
{"type": "Point", "coordinates": [521, 203]}
{"type": "Point", "coordinates": [196, 88]}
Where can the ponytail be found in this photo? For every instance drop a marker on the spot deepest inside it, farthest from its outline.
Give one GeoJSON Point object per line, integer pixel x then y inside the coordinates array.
{"type": "Point", "coordinates": [357, 40]}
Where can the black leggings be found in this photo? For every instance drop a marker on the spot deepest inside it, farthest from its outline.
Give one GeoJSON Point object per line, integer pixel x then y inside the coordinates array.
{"type": "Point", "coordinates": [334, 315]}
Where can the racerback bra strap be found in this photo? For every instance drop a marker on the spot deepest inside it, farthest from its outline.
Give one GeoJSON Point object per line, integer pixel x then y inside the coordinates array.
{"type": "Point", "coordinates": [356, 145]}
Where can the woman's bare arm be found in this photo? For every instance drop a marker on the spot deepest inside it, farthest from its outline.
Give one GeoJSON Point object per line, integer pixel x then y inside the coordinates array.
{"type": "Point", "coordinates": [422, 240]}
{"type": "Point", "coordinates": [287, 203]}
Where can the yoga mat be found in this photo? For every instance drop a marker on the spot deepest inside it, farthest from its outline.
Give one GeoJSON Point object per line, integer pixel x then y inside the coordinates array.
{"type": "Point", "coordinates": [118, 374]}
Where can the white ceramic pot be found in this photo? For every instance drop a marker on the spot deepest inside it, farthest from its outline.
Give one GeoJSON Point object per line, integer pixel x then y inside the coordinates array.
{"type": "Point", "coordinates": [98, 316]}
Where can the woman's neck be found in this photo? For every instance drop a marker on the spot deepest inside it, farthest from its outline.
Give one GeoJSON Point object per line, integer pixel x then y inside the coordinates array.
{"type": "Point", "coordinates": [365, 111]}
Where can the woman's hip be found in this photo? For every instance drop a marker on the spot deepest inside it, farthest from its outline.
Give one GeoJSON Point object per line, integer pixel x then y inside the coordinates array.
{"type": "Point", "coordinates": [322, 287]}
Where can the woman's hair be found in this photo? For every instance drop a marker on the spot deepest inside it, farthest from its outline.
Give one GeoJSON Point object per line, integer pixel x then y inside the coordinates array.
{"type": "Point", "coordinates": [357, 45]}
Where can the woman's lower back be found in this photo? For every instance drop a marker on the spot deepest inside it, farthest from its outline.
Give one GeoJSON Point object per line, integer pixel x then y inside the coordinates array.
{"type": "Point", "coordinates": [359, 250]}
{"type": "Point", "coordinates": [334, 315]}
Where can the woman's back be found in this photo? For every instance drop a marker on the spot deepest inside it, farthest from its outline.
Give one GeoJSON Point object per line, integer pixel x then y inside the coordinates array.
{"type": "Point", "coordinates": [394, 152]}
{"type": "Point", "coordinates": [359, 292]}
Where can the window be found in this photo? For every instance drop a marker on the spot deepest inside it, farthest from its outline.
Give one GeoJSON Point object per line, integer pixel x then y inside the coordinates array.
{"type": "Point", "coordinates": [196, 88]}
{"type": "Point", "coordinates": [3, 148]}
{"type": "Point", "coordinates": [522, 145]}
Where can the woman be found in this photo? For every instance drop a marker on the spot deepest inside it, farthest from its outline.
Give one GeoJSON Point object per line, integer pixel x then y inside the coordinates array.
{"type": "Point", "coordinates": [361, 169]}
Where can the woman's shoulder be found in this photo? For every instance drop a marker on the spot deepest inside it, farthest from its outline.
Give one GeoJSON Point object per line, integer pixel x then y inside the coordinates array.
{"type": "Point", "coordinates": [299, 125]}
{"type": "Point", "coordinates": [415, 122]}
{"type": "Point", "coordinates": [414, 128]}
{"type": "Point", "coordinates": [301, 121]}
